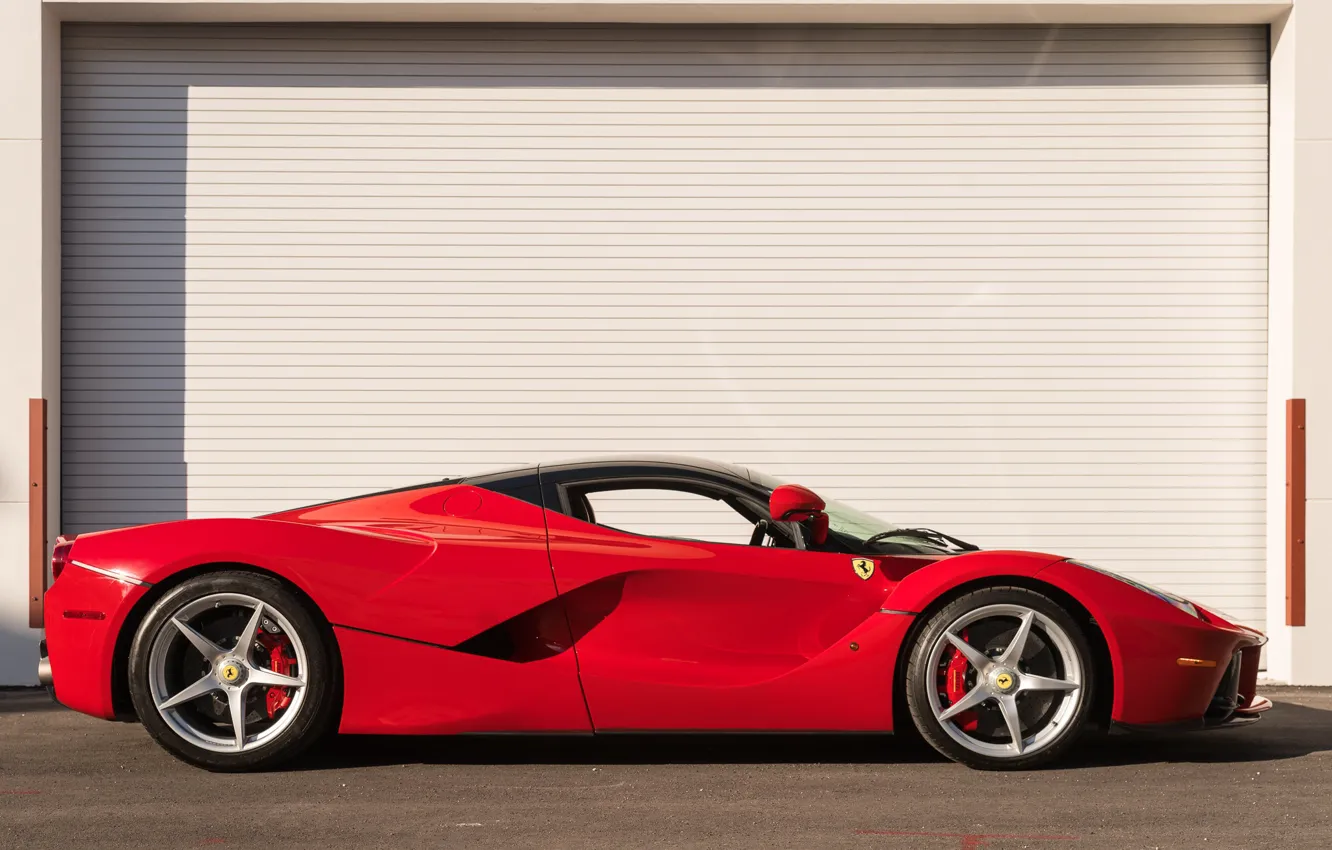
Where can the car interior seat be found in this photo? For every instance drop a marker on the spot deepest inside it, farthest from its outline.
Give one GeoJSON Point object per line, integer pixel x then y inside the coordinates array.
{"type": "Point", "coordinates": [581, 508]}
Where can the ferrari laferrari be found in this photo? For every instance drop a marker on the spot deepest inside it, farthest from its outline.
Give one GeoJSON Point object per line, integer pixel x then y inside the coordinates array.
{"type": "Point", "coordinates": [500, 603]}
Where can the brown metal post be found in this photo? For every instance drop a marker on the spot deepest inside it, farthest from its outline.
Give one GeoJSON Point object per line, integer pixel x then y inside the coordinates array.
{"type": "Point", "coordinates": [1295, 502]}
{"type": "Point", "coordinates": [36, 509]}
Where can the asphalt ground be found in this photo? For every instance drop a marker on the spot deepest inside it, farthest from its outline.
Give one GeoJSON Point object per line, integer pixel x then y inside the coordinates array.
{"type": "Point", "coordinates": [69, 781]}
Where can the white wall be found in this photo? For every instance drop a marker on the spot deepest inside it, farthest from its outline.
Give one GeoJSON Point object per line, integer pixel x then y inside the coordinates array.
{"type": "Point", "coordinates": [29, 317]}
{"type": "Point", "coordinates": [1311, 267]}
{"type": "Point", "coordinates": [1300, 303]}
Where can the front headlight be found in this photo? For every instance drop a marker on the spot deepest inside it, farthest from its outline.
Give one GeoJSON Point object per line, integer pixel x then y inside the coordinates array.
{"type": "Point", "coordinates": [1178, 601]}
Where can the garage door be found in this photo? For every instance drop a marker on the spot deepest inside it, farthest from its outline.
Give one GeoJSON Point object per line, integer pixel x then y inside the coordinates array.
{"type": "Point", "coordinates": [1006, 282]}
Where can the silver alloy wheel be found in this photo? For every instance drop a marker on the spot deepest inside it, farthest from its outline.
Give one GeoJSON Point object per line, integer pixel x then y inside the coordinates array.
{"type": "Point", "coordinates": [1001, 677]}
{"type": "Point", "coordinates": [231, 670]}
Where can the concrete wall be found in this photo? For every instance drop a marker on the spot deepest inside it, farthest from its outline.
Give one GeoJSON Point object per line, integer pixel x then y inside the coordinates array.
{"type": "Point", "coordinates": [1301, 215]}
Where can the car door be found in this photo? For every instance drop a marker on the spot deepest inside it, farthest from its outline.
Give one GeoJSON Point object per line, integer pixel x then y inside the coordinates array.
{"type": "Point", "coordinates": [477, 638]}
{"type": "Point", "coordinates": [677, 633]}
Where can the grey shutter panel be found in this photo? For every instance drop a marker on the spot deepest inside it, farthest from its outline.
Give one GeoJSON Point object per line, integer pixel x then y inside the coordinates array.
{"type": "Point", "coordinates": [1009, 282]}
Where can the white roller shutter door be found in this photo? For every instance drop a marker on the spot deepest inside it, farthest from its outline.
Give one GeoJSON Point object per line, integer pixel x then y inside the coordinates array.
{"type": "Point", "coordinates": [1006, 282]}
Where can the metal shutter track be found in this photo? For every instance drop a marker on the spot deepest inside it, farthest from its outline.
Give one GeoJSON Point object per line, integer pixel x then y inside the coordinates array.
{"type": "Point", "coordinates": [1008, 282]}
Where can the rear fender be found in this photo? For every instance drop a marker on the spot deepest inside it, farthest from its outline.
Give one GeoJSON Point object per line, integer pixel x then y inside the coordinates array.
{"type": "Point", "coordinates": [337, 567]}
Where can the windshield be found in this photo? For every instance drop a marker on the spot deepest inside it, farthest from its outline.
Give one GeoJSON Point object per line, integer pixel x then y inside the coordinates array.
{"type": "Point", "coordinates": [844, 519]}
{"type": "Point", "coordinates": [855, 531]}
{"type": "Point", "coordinates": [851, 530]}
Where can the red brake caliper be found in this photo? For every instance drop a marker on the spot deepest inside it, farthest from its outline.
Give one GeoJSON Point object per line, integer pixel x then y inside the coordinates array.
{"type": "Point", "coordinates": [956, 688]}
{"type": "Point", "coordinates": [280, 661]}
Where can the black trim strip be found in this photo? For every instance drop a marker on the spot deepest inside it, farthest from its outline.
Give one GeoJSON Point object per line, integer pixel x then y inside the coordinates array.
{"type": "Point", "coordinates": [495, 643]}
{"type": "Point", "coordinates": [1200, 724]}
{"type": "Point", "coordinates": [679, 733]}
{"type": "Point", "coordinates": [394, 637]}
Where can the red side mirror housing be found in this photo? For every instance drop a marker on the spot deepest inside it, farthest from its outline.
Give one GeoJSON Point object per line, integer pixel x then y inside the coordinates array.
{"type": "Point", "coordinates": [793, 503]}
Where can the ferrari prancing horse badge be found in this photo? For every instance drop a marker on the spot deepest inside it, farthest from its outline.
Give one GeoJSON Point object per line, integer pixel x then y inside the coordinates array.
{"type": "Point", "coordinates": [864, 567]}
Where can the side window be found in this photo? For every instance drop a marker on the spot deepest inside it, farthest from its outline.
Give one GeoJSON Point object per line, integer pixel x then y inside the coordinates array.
{"type": "Point", "coordinates": [659, 512]}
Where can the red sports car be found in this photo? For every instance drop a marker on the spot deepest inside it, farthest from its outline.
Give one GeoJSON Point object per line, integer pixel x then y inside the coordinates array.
{"type": "Point", "coordinates": [498, 603]}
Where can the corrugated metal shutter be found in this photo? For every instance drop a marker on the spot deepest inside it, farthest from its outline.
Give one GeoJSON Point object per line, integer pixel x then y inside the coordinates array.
{"type": "Point", "coordinates": [1007, 282]}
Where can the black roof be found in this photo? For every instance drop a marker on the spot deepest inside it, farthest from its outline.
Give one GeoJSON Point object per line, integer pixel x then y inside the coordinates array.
{"type": "Point", "coordinates": [526, 482]}
{"type": "Point", "coordinates": [729, 470]}
{"type": "Point", "coordinates": [523, 482]}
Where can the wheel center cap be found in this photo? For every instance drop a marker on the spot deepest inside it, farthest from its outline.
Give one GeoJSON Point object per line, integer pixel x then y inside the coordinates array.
{"type": "Point", "coordinates": [1005, 681]}
{"type": "Point", "coordinates": [231, 672]}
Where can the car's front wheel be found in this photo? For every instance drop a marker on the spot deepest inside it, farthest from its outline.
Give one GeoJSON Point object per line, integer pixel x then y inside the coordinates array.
{"type": "Point", "coordinates": [1001, 679]}
{"type": "Point", "coordinates": [229, 671]}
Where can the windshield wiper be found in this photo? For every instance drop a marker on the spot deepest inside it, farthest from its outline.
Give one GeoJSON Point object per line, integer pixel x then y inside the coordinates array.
{"type": "Point", "coordinates": [925, 534]}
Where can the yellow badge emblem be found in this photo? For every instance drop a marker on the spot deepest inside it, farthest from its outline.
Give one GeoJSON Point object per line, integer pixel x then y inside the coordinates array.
{"type": "Point", "coordinates": [864, 567]}
{"type": "Point", "coordinates": [1004, 681]}
{"type": "Point", "coordinates": [230, 673]}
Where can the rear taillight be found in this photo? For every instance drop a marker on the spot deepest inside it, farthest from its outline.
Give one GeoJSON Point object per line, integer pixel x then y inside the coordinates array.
{"type": "Point", "coordinates": [60, 554]}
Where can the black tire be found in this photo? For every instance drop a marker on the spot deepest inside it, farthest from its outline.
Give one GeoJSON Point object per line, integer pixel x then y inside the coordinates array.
{"type": "Point", "coordinates": [317, 710]}
{"type": "Point", "coordinates": [922, 683]}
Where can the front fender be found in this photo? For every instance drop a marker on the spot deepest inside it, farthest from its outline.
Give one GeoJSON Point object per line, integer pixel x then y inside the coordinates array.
{"type": "Point", "coordinates": [920, 589]}
{"type": "Point", "coordinates": [1146, 637]}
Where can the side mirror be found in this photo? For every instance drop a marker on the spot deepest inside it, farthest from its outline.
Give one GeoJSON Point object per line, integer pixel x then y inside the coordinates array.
{"type": "Point", "coordinates": [793, 503]}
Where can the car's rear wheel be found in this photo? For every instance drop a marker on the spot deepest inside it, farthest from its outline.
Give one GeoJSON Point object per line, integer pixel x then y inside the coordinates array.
{"type": "Point", "coordinates": [230, 671]}
{"type": "Point", "coordinates": [1001, 679]}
